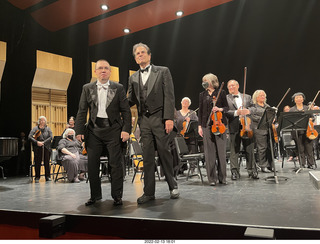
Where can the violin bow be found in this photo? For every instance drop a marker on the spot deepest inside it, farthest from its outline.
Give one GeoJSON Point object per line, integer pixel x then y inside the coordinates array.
{"type": "Point", "coordinates": [314, 100]}
{"type": "Point", "coordinates": [244, 84]}
{"type": "Point", "coordinates": [283, 97]}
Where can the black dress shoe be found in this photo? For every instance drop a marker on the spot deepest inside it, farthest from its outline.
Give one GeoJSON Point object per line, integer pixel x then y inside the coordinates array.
{"type": "Point", "coordinates": [92, 201]}
{"type": "Point", "coordinates": [48, 179]}
{"type": "Point", "coordinates": [254, 175]}
{"type": "Point", "coordinates": [144, 199]}
{"type": "Point", "coordinates": [117, 202]}
{"type": "Point", "coordinates": [234, 176]}
{"type": "Point", "coordinates": [223, 182]}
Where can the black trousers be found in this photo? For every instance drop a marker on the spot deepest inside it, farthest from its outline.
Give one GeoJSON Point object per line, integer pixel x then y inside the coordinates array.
{"type": "Point", "coordinates": [38, 159]}
{"type": "Point", "coordinates": [154, 137]}
{"type": "Point", "coordinates": [99, 139]}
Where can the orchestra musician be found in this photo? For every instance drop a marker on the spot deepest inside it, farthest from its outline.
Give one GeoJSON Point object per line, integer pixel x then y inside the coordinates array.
{"type": "Point", "coordinates": [261, 136]}
{"type": "Point", "coordinates": [69, 149]}
{"type": "Point", "coordinates": [214, 145]}
{"type": "Point", "coordinates": [237, 107]}
{"type": "Point", "coordinates": [182, 120]}
{"type": "Point", "coordinates": [41, 136]}
{"type": "Point", "coordinates": [304, 144]}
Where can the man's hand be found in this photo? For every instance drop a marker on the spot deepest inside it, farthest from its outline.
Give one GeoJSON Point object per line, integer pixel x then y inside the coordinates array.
{"type": "Point", "coordinates": [124, 136]}
{"type": "Point", "coordinates": [169, 126]}
{"type": "Point", "coordinates": [200, 131]}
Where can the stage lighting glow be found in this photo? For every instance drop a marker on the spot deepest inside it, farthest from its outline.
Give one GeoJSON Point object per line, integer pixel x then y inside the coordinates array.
{"type": "Point", "coordinates": [104, 7]}
{"type": "Point", "coordinates": [126, 30]}
{"type": "Point", "coordinates": [179, 13]}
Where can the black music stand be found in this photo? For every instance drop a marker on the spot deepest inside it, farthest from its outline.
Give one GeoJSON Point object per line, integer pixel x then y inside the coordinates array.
{"type": "Point", "coordinates": [55, 142]}
{"type": "Point", "coordinates": [192, 133]}
{"type": "Point", "coordinates": [294, 121]}
{"type": "Point", "coordinates": [266, 124]}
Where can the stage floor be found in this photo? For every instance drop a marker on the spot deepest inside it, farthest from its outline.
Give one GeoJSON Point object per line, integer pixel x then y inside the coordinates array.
{"type": "Point", "coordinates": [293, 203]}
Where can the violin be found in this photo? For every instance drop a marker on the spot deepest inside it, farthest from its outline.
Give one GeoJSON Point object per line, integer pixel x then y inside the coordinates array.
{"type": "Point", "coordinates": [37, 134]}
{"type": "Point", "coordinates": [185, 124]}
{"type": "Point", "coordinates": [217, 127]}
{"type": "Point", "coordinates": [246, 131]}
{"type": "Point", "coordinates": [311, 132]}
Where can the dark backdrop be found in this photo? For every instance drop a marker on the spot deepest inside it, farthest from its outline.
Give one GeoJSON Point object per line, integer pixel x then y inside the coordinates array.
{"type": "Point", "coordinates": [278, 40]}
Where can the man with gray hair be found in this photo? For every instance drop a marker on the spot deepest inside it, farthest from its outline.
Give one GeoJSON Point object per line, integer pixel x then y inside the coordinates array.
{"type": "Point", "coordinates": [151, 89]}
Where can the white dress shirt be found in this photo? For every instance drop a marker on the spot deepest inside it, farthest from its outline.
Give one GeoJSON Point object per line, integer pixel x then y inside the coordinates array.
{"type": "Point", "coordinates": [102, 99]}
{"type": "Point", "coordinates": [145, 75]}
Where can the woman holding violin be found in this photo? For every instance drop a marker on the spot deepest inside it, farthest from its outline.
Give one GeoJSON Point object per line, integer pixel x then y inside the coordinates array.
{"type": "Point", "coordinates": [304, 144]}
{"type": "Point", "coordinates": [212, 125]}
{"type": "Point", "coordinates": [183, 118]}
{"type": "Point", "coordinates": [41, 136]}
{"type": "Point", "coordinates": [259, 99]}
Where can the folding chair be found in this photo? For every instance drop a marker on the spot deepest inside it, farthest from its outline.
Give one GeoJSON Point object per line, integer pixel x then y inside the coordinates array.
{"type": "Point", "coordinates": [57, 163]}
{"type": "Point", "coordinates": [184, 156]}
{"type": "Point", "coordinates": [137, 160]}
{"type": "Point", "coordinates": [288, 146]}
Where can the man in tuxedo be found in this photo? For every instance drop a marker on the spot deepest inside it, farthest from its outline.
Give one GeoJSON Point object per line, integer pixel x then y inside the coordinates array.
{"type": "Point", "coordinates": [151, 89]}
{"type": "Point", "coordinates": [109, 124]}
{"type": "Point", "coordinates": [238, 107]}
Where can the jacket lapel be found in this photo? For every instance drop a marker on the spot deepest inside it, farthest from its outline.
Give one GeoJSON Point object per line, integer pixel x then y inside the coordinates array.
{"type": "Point", "coordinates": [152, 79]}
{"type": "Point", "coordinates": [94, 93]}
{"type": "Point", "coordinates": [111, 93]}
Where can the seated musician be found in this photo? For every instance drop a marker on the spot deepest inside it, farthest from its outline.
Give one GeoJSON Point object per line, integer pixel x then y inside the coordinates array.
{"type": "Point", "coordinates": [69, 148]}
{"type": "Point", "coordinates": [304, 144]}
{"type": "Point", "coordinates": [182, 119]}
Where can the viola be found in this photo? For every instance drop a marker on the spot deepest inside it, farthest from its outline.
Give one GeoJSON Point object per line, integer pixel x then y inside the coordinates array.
{"type": "Point", "coordinates": [246, 131]}
{"type": "Point", "coordinates": [311, 132]}
{"type": "Point", "coordinates": [217, 127]}
{"type": "Point", "coordinates": [37, 134]}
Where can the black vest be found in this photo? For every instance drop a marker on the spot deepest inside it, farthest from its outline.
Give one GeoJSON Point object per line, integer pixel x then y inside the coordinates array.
{"type": "Point", "coordinates": [143, 95]}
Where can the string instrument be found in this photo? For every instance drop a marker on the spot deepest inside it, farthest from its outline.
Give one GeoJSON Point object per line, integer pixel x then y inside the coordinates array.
{"type": "Point", "coordinates": [274, 127]}
{"type": "Point", "coordinates": [311, 132]}
{"type": "Point", "coordinates": [185, 124]}
{"type": "Point", "coordinates": [84, 150]}
{"type": "Point", "coordinates": [246, 131]}
{"type": "Point", "coordinates": [36, 134]}
{"type": "Point", "coordinates": [217, 127]}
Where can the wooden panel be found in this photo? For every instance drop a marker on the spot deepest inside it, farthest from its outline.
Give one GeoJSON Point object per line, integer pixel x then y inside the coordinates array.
{"type": "Point", "coordinates": [114, 73]}
{"type": "Point", "coordinates": [55, 62]}
{"type": "Point", "coordinates": [3, 56]}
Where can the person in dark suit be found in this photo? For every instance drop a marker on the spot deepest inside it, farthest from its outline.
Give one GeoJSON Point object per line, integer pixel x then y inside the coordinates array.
{"type": "Point", "coordinates": [109, 123]}
{"type": "Point", "coordinates": [238, 106]}
{"type": "Point", "coordinates": [151, 89]}
{"type": "Point", "coordinates": [215, 145]}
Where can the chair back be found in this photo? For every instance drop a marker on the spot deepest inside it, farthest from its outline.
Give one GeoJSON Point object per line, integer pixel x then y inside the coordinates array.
{"type": "Point", "coordinates": [136, 148]}
{"type": "Point", "coordinates": [287, 140]}
{"type": "Point", "coordinates": [181, 145]}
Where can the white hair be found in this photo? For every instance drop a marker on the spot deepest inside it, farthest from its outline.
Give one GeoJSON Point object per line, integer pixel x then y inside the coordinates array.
{"type": "Point", "coordinates": [67, 131]}
{"type": "Point", "coordinates": [186, 98]}
{"type": "Point", "coordinates": [42, 117]}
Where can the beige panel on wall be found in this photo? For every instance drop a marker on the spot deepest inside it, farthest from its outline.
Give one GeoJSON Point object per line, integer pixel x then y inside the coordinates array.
{"type": "Point", "coordinates": [3, 55]}
{"type": "Point", "coordinates": [114, 73]}
{"type": "Point", "coordinates": [49, 90]}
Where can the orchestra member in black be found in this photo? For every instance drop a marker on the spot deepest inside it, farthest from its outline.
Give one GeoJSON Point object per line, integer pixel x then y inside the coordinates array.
{"type": "Point", "coordinates": [304, 144]}
{"type": "Point", "coordinates": [238, 107]}
{"type": "Point", "coordinates": [214, 145]}
{"type": "Point", "coordinates": [41, 136]}
{"type": "Point", "coordinates": [151, 89]}
{"type": "Point", "coordinates": [259, 99]}
{"type": "Point", "coordinates": [109, 124]}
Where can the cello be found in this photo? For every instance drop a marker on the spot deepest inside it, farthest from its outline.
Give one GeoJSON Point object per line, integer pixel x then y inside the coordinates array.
{"type": "Point", "coordinates": [311, 131]}
{"type": "Point", "coordinates": [217, 127]}
{"type": "Point", "coordinates": [246, 131]}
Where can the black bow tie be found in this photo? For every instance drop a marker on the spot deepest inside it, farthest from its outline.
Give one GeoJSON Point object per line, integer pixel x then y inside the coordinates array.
{"type": "Point", "coordinates": [235, 96]}
{"type": "Point", "coordinates": [146, 69]}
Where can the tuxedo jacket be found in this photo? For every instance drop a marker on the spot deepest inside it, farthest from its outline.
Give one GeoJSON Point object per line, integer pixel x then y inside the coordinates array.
{"type": "Point", "coordinates": [234, 123]}
{"type": "Point", "coordinates": [117, 107]}
{"type": "Point", "coordinates": [160, 93]}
